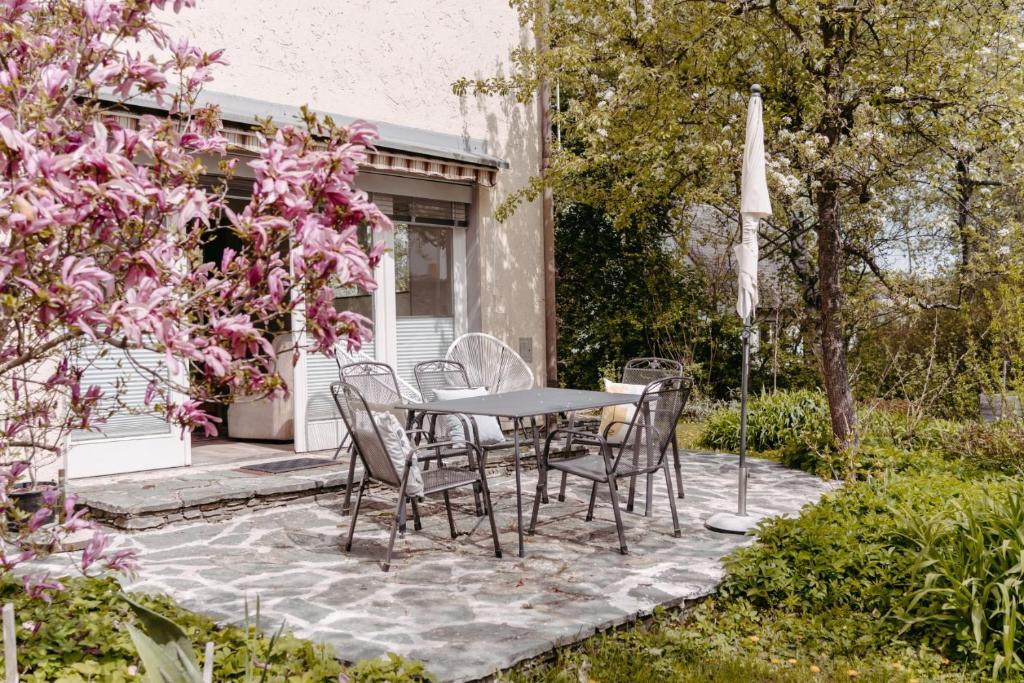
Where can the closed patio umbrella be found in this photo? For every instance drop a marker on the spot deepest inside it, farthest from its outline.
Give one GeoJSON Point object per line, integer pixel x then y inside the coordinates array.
{"type": "Point", "coordinates": [754, 205]}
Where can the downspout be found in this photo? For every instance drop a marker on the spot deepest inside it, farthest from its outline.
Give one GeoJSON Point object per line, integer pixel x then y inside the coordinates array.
{"type": "Point", "coordinates": [548, 211]}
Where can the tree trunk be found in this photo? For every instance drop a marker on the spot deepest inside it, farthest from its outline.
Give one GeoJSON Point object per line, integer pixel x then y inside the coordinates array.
{"type": "Point", "coordinates": [833, 346]}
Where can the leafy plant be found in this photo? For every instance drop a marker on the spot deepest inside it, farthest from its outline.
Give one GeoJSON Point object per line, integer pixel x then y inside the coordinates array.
{"type": "Point", "coordinates": [968, 581]}
{"type": "Point", "coordinates": [793, 427]}
{"type": "Point", "coordinates": [774, 421]}
{"type": "Point", "coordinates": [168, 656]}
{"type": "Point", "coordinates": [82, 636]}
{"type": "Point", "coordinates": [390, 669]}
{"type": "Point", "coordinates": [998, 447]}
{"type": "Point", "coordinates": [166, 653]}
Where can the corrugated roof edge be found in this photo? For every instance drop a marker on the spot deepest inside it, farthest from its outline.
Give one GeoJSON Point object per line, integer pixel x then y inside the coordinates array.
{"type": "Point", "coordinates": [245, 110]}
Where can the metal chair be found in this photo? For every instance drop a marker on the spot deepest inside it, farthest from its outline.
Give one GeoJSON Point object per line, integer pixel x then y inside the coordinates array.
{"type": "Point", "coordinates": [433, 375]}
{"type": "Point", "coordinates": [490, 363]}
{"type": "Point", "coordinates": [378, 385]}
{"type": "Point", "coordinates": [660, 406]}
{"type": "Point", "coordinates": [644, 371]}
{"type": "Point", "coordinates": [378, 467]}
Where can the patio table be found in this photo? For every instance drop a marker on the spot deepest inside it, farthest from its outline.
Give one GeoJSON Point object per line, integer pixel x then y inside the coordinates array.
{"type": "Point", "coordinates": [518, 406]}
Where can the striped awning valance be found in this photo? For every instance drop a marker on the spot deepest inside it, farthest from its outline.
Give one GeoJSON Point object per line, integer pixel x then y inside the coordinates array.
{"type": "Point", "coordinates": [383, 160]}
{"type": "Point", "coordinates": [246, 142]}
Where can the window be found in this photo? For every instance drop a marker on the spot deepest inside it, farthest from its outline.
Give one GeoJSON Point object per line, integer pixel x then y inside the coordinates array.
{"type": "Point", "coordinates": [423, 271]}
{"type": "Point", "coordinates": [352, 297]}
{"type": "Point", "coordinates": [424, 235]}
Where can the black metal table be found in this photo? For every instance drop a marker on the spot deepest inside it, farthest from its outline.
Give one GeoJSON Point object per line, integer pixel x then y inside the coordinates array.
{"type": "Point", "coordinates": [522, 405]}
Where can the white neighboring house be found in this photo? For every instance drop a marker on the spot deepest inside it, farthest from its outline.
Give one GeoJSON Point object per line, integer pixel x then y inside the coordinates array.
{"type": "Point", "coordinates": [442, 166]}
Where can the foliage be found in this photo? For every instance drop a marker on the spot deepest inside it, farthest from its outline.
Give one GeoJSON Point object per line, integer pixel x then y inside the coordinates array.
{"type": "Point", "coordinates": [389, 669]}
{"type": "Point", "coordinates": [998, 447]}
{"type": "Point", "coordinates": [710, 644]}
{"type": "Point", "coordinates": [904, 118]}
{"type": "Point", "coordinates": [793, 427]}
{"type": "Point", "coordinates": [822, 596]}
{"type": "Point", "coordinates": [774, 421]}
{"type": "Point", "coordinates": [163, 647]}
{"type": "Point", "coordinates": [968, 579]}
{"type": "Point", "coordinates": [643, 292]}
{"type": "Point", "coordinates": [621, 295]}
{"type": "Point", "coordinates": [82, 636]}
{"type": "Point", "coordinates": [845, 554]}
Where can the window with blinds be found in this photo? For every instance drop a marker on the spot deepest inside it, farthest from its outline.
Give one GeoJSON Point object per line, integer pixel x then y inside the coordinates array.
{"type": "Point", "coordinates": [424, 275]}
{"type": "Point", "coordinates": [423, 211]}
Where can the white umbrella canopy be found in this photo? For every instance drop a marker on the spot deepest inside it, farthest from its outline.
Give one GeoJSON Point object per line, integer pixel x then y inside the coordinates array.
{"type": "Point", "coordinates": [754, 205]}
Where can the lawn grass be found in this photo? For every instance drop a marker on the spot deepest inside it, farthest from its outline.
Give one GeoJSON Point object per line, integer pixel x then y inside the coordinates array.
{"type": "Point", "coordinates": [708, 643]}
{"type": "Point", "coordinates": [688, 434]}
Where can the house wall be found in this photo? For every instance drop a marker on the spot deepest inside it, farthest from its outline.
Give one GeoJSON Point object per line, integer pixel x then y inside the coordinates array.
{"type": "Point", "coordinates": [394, 61]}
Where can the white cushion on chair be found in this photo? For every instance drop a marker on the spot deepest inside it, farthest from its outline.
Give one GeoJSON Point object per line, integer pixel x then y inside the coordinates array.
{"type": "Point", "coordinates": [399, 447]}
{"type": "Point", "coordinates": [486, 426]}
{"type": "Point", "coordinates": [620, 413]}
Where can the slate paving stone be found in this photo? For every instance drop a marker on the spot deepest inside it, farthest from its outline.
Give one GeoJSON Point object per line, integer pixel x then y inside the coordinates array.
{"type": "Point", "coordinates": [451, 603]}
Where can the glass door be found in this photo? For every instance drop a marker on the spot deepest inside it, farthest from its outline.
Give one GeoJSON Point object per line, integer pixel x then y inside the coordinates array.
{"type": "Point", "coordinates": [424, 311]}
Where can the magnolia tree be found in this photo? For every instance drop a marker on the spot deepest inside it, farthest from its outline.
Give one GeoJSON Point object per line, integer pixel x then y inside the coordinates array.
{"type": "Point", "coordinates": [102, 228]}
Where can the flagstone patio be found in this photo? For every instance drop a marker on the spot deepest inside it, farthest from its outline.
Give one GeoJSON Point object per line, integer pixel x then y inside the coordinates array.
{"type": "Point", "coordinates": [452, 604]}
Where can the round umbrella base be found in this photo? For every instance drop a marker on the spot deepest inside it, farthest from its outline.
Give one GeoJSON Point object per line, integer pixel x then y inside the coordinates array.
{"type": "Point", "coordinates": [731, 523]}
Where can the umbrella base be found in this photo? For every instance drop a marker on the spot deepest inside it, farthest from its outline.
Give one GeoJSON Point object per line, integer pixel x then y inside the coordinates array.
{"type": "Point", "coordinates": [731, 523]}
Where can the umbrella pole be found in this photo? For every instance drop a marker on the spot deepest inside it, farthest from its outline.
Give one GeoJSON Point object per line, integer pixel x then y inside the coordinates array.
{"type": "Point", "coordinates": [741, 522]}
{"type": "Point", "coordinates": [743, 474]}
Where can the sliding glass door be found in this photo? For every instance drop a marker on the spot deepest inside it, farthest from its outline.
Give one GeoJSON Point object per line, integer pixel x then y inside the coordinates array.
{"type": "Point", "coordinates": [416, 310]}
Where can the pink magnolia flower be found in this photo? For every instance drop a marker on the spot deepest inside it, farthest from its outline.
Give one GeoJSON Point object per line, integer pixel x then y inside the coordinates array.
{"type": "Point", "coordinates": [53, 79]}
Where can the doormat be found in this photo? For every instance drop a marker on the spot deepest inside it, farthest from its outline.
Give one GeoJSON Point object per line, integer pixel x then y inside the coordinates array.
{"type": "Point", "coordinates": [282, 466]}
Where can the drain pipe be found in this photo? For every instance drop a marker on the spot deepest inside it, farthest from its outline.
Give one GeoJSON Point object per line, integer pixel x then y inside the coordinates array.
{"type": "Point", "coordinates": [548, 210]}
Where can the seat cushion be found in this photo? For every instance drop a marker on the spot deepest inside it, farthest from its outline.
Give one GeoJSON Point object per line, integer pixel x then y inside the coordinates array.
{"type": "Point", "coordinates": [622, 413]}
{"type": "Point", "coordinates": [399, 446]}
{"type": "Point", "coordinates": [487, 427]}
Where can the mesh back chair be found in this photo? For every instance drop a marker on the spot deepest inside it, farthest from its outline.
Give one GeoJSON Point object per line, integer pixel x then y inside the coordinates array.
{"type": "Point", "coordinates": [378, 385]}
{"type": "Point", "coordinates": [490, 363]}
{"type": "Point", "coordinates": [448, 374]}
{"type": "Point", "coordinates": [432, 375]}
{"type": "Point", "coordinates": [660, 406]}
{"type": "Point", "coordinates": [647, 370]}
{"type": "Point", "coordinates": [379, 468]}
{"type": "Point", "coordinates": [644, 371]}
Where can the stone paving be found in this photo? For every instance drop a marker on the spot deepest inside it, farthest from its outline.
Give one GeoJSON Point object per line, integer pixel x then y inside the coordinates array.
{"type": "Point", "coordinates": [452, 604]}
{"type": "Point", "coordinates": [213, 493]}
{"type": "Point", "coordinates": [217, 487]}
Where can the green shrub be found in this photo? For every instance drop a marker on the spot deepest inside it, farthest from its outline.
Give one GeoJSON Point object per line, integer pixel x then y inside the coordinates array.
{"type": "Point", "coordinates": [895, 428]}
{"type": "Point", "coordinates": [721, 430]}
{"type": "Point", "coordinates": [968, 580]}
{"type": "Point", "coordinates": [845, 551]}
{"type": "Point", "coordinates": [794, 427]}
{"type": "Point", "coordinates": [774, 421]}
{"type": "Point", "coordinates": [996, 447]}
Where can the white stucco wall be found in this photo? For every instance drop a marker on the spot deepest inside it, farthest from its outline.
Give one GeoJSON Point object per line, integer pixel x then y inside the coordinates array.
{"type": "Point", "coordinates": [394, 61]}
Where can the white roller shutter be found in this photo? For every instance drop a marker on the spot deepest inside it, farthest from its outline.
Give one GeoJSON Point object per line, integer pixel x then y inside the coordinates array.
{"type": "Point", "coordinates": [421, 339]}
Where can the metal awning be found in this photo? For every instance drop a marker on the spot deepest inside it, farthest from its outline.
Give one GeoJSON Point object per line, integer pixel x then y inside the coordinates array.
{"type": "Point", "coordinates": [400, 150]}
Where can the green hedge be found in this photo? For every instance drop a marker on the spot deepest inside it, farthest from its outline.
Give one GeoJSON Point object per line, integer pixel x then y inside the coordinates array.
{"type": "Point", "coordinates": [794, 427]}
{"type": "Point", "coordinates": [774, 421]}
